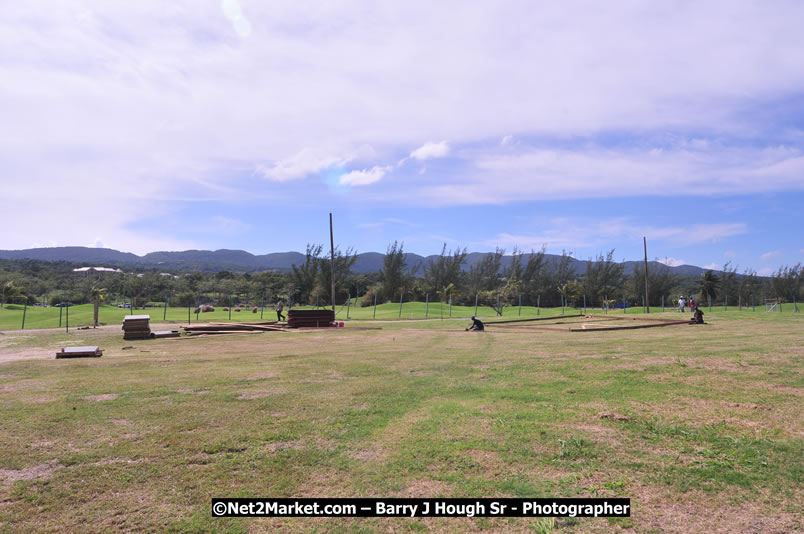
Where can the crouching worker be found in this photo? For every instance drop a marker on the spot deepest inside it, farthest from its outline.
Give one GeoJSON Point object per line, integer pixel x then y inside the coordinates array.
{"type": "Point", "coordinates": [477, 325]}
{"type": "Point", "coordinates": [697, 318]}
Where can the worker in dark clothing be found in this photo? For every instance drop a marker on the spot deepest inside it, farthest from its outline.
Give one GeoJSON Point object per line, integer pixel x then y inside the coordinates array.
{"type": "Point", "coordinates": [477, 325]}
{"type": "Point", "coordinates": [697, 318]}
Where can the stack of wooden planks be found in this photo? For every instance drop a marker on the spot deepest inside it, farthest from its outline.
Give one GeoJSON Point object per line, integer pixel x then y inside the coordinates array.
{"type": "Point", "coordinates": [79, 352]}
{"type": "Point", "coordinates": [136, 327]}
{"type": "Point", "coordinates": [165, 333]}
{"type": "Point", "coordinates": [311, 318]}
{"type": "Point", "coordinates": [232, 328]}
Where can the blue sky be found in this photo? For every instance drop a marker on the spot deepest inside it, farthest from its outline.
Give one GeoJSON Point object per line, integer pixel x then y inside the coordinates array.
{"type": "Point", "coordinates": [576, 126]}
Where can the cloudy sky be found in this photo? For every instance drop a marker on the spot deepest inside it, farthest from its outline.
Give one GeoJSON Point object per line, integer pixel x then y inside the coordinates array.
{"type": "Point", "coordinates": [581, 126]}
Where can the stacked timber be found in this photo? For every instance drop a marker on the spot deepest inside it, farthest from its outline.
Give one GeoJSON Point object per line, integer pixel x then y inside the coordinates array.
{"type": "Point", "coordinates": [79, 352]}
{"type": "Point", "coordinates": [136, 327]}
{"type": "Point", "coordinates": [311, 318]}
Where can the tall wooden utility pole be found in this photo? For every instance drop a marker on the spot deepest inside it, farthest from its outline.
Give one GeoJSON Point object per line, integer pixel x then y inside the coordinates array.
{"type": "Point", "coordinates": [647, 302]}
{"type": "Point", "coordinates": [332, 262]}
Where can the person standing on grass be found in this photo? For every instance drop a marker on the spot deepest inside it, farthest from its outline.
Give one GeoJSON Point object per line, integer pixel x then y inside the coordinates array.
{"type": "Point", "coordinates": [681, 303]}
{"type": "Point", "coordinates": [279, 307]}
{"type": "Point", "coordinates": [692, 303]}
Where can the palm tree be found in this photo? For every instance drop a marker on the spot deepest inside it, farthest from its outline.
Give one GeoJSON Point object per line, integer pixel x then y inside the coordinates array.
{"type": "Point", "coordinates": [10, 292]}
{"type": "Point", "coordinates": [97, 294]}
{"type": "Point", "coordinates": [709, 284]}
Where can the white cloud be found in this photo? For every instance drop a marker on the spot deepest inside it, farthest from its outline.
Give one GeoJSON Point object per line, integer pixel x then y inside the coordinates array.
{"type": "Point", "coordinates": [135, 101]}
{"type": "Point", "coordinates": [713, 266]}
{"type": "Point", "coordinates": [431, 151]}
{"type": "Point", "coordinates": [770, 255]}
{"type": "Point", "coordinates": [364, 177]}
{"type": "Point", "coordinates": [298, 166]}
{"type": "Point", "coordinates": [231, 10]}
{"type": "Point", "coordinates": [671, 262]}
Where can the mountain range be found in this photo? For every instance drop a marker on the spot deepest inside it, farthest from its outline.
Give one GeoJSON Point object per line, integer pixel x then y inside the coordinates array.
{"type": "Point", "coordinates": [242, 261]}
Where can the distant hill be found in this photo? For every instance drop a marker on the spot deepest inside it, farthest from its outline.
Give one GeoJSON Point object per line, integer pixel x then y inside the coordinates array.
{"type": "Point", "coordinates": [240, 260]}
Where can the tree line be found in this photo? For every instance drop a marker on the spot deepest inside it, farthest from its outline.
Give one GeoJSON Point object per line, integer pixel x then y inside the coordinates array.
{"type": "Point", "coordinates": [533, 277]}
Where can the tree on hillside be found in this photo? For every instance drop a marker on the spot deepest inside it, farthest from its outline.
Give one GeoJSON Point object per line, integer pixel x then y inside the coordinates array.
{"type": "Point", "coordinates": [603, 277]}
{"type": "Point", "coordinates": [486, 275]}
{"type": "Point", "coordinates": [533, 275]}
{"type": "Point", "coordinates": [444, 270]}
{"type": "Point", "coordinates": [748, 286]}
{"type": "Point", "coordinates": [343, 265]}
{"type": "Point", "coordinates": [728, 282]}
{"type": "Point", "coordinates": [393, 274]}
{"type": "Point", "coordinates": [304, 277]}
{"type": "Point", "coordinates": [786, 282]}
{"type": "Point", "coordinates": [709, 284]}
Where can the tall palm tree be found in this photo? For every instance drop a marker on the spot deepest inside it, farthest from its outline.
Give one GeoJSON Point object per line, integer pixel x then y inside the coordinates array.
{"type": "Point", "coordinates": [709, 284]}
{"type": "Point", "coordinates": [97, 294]}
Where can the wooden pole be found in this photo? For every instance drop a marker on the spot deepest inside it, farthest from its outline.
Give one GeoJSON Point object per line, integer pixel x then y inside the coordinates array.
{"type": "Point", "coordinates": [499, 308]}
{"type": "Point", "coordinates": [647, 302]}
{"type": "Point", "coordinates": [374, 315]}
{"type": "Point", "coordinates": [450, 305]}
{"type": "Point", "coordinates": [584, 304]}
{"type": "Point", "coordinates": [262, 309]}
{"type": "Point", "coordinates": [61, 309]}
{"type": "Point", "coordinates": [538, 304]}
{"type": "Point", "coordinates": [401, 293]}
{"type": "Point", "coordinates": [24, 309]}
{"type": "Point", "coordinates": [520, 305]}
{"type": "Point", "coordinates": [332, 263]}
{"type": "Point", "coordinates": [475, 304]}
{"type": "Point", "coordinates": [230, 307]}
{"type": "Point", "coordinates": [164, 314]}
{"type": "Point", "coordinates": [426, 305]}
{"type": "Point", "coordinates": [348, 303]}
{"type": "Point", "coordinates": [607, 304]}
{"type": "Point", "coordinates": [68, 318]}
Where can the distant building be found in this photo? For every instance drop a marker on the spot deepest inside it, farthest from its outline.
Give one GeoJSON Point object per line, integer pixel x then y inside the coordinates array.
{"type": "Point", "coordinates": [97, 270]}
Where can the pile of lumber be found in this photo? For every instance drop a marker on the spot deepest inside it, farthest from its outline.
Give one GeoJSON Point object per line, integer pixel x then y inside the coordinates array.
{"type": "Point", "coordinates": [311, 318]}
{"type": "Point", "coordinates": [79, 352]}
{"type": "Point", "coordinates": [136, 327]}
{"type": "Point", "coordinates": [232, 328]}
{"type": "Point", "coordinates": [165, 333]}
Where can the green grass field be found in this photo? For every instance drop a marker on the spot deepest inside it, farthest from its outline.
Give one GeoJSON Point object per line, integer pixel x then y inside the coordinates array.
{"type": "Point", "coordinates": [35, 317]}
{"type": "Point", "coordinates": [705, 432]}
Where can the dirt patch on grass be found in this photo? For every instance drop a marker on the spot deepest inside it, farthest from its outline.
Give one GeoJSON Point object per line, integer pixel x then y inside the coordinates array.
{"type": "Point", "coordinates": [263, 376]}
{"type": "Point", "coordinates": [9, 476]}
{"type": "Point", "coordinates": [102, 397]}
{"type": "Point", "coordinates": [251, 395]}
{"type": "Point", "coordinates": [601, 433]}
{"type": "Point", "coordinates": [700, 512]}
{"type": "Point", "coordinates": [370, 455]}
{"type": "Point", "coordinates": [425, 489]}
{"type": "Point", "coordinates": [283, 445]}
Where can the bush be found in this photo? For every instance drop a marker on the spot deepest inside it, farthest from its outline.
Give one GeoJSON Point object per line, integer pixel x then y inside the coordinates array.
{"type": "Point", "coordinates": [368, 298]}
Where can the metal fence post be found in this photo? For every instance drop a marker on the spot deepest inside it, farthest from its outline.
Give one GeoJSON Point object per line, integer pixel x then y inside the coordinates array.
{"type": "Point", "coordinates": [538, 304]}
{"type": "Point", "coordinates": [584, 304]}
{"type": "Point", "coordinates": [520, 305]}
{"type": "Point", "coordinates": [374, 315]}
{"type": "Point", "coordinates": [401, 293]}
{"type": "Point", "coordinates": [475, 304]}
{"type": "Point", "coordinates": [164, 314]}
{"type": "Point", "coordinates": [24, 309]}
